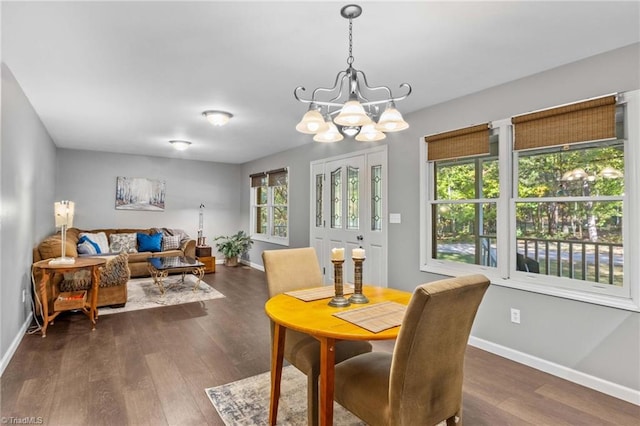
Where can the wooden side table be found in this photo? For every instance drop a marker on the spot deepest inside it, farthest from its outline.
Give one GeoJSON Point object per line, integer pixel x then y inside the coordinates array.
{"type": "Point", "coordinates": [209, 263]}
{"type": "Point", "coordinates": [89, 308]}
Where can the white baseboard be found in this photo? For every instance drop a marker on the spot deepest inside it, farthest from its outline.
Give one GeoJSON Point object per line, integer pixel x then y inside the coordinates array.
{"type": "Point", "coordinates": [14, 345]}
{"type": "Point", "coordinates": [253, 265]}
{"type": "Point", "coordinates": [575, 376]}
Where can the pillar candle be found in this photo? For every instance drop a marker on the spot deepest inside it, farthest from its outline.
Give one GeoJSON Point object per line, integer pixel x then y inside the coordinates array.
{"type": "Point", "coordinates": [357, 253]}
{"type": "Point", "coordinates": [337, 254]}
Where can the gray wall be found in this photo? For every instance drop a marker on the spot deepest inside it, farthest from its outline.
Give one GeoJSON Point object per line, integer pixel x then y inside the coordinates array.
{"type": "Point", "coordinates": [88, 178]}
{"type": "Point", "coordinates": [594, 340]}
{"type": "Point", "coordinates": [27, 181]}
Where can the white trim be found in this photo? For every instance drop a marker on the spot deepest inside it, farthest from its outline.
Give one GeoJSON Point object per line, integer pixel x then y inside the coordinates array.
{"type": "Point", "coordinates": [15, 343]}
{"type": "Point", "coordinates": [613, 389]}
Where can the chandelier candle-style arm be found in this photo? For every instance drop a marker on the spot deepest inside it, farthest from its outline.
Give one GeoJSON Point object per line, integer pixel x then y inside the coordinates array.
{"type": "Point", "coordinates": [353, 102]}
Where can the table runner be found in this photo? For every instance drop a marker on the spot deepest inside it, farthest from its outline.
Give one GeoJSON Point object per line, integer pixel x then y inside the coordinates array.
{"type": "Point", "coordinates": [318, 293]}
{"type": "Point", "coordinates": [375, 318]}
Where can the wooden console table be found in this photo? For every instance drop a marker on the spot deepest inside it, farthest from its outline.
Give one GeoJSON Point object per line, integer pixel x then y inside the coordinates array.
{"type": "Point", "coordinates": [48, 270]}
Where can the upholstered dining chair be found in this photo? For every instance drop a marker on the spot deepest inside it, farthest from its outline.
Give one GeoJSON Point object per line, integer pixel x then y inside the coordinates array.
{"type": "Point", "coordinates": [421, 382]}
{"type": "Point", "coordinates": [294, 269]}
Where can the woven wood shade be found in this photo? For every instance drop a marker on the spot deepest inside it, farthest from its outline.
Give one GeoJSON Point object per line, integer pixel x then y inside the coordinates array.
{"type": "Point", "coordinates": [258, 179]}
{"type": "Point", "coordinates": [584, 121]}
{"type": "Point", "coordinates": [277, 177]}
{"type": "Point", "coordinates": [467, 142]}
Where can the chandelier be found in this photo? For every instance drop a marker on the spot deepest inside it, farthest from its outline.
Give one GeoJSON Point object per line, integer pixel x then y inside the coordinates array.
{"type": "Point", "coordinates": [355, 104]}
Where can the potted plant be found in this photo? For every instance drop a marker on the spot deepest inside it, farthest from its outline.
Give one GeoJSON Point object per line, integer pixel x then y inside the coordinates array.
{"type": "Point", "coordinates": [233, 246]}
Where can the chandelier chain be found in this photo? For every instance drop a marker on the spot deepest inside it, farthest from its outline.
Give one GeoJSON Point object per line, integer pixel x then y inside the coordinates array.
{"type": "Point", "coordinates": [350, 58]}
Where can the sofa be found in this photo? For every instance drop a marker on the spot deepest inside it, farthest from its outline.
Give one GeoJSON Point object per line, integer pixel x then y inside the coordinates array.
{"type": "Point", "coordinates": [113, 291]}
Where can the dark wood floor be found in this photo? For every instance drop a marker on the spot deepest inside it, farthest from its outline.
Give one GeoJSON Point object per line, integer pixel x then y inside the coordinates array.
{"type": "Point", "coordinates": [151, 367]}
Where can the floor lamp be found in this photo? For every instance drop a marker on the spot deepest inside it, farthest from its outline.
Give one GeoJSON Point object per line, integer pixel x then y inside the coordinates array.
{"type": "Point", "coordinates": [63, 211]}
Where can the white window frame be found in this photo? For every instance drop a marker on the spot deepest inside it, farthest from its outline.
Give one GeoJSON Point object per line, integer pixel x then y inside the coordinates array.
{"type": "Point", "coordinates": [627, 297]}
{"type": "Point", "coordinates": [269, 237]}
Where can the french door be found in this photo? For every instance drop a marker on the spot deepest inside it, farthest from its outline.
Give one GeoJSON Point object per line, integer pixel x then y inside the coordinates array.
{"type": "Point", "coordinates": [349, 210]}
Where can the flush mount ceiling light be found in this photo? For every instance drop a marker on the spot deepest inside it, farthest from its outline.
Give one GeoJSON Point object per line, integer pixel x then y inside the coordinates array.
{"type": "Point", "coordinates": [217, 118]}
{"type": "Point", "coordinates": [355, 104]}
{"type": "Point", "coordinates": [180, 145]}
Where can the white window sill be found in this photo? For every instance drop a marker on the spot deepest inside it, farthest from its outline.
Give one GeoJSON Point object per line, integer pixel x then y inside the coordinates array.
{"type": "Point", "coordinates": [626, 304]}
{"type": "Point", "coordinates": [272, 240]}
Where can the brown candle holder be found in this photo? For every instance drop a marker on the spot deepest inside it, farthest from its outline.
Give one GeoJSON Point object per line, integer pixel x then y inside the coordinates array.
{"type": "Point", "coordinates": [357, 296]}
{"type": "Point", "coordinates": [338, 301]}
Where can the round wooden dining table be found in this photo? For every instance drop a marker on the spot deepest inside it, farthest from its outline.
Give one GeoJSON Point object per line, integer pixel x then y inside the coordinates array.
{"type": "Point", "coordinates": [316, 319]}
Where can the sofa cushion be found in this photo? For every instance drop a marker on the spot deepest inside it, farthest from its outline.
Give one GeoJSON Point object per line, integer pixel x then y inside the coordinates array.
{"type": "Point", "coordinates": [152, 243]}
{"type": "Point", "coordinates": [99, 238]}
{"type": "Point", "coordinates": [170, 242]}
{"type": "Point", "coordinates": [123, 243]}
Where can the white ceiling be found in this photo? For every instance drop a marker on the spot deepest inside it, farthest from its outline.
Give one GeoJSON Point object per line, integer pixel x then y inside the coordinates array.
{"type": "Point", "coordinates": [127, 77]}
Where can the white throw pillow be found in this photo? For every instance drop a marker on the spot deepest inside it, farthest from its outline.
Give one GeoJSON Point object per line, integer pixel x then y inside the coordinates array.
{"type": "Point", "coordinates": [100, 239]}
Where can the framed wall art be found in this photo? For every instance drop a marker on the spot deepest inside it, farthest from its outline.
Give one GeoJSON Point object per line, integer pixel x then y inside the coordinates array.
{"type": "Point", "coordinates": [140, 194]}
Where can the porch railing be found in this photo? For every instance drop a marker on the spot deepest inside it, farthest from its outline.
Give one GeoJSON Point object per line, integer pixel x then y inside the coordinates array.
{"type": "Point", "coordinates": [584, 260]}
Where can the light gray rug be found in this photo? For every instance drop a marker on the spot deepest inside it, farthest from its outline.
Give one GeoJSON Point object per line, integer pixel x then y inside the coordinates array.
{"type": "Point", "coordinates": [142, 293]}
{"type": "Point", "coordinates": [246, 402]}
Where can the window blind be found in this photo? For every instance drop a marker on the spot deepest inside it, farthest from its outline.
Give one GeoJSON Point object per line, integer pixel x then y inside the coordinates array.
{"type": "Point", "coordinates": [258, 179]}
{"type": "Point", "coordinates": [467, 142]}
{"type": "Point", "coordinates": [277, 177]}
{"type": "Point", "coordinates": [583, 121]}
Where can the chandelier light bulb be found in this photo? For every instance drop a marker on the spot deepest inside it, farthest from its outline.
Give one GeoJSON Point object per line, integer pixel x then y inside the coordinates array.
{"type": "Point", "coordinates": [369, 133]}
{"type": "Point", "coordinates": [391, 120]}
{"type": "Point", "coordinates": [330, 135]}
{"type": "Point", "coordinates": [312, 122]}
{"type": "Point", "coordinates": [217, 118]}
{"type": "Point", "coordinates": [352, 114]}
{"type": "Point", "coordinates": [351, 131]}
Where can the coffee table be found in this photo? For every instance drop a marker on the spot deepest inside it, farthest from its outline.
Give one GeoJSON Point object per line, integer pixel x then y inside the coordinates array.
{"type": "Point", "coordinates": [161, 267]}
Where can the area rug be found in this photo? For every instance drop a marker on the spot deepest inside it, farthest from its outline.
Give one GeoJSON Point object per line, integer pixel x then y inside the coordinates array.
{"type": "Point", "coordinates": [246, 402]}
{"type": "Point", "coordinates": [142, 293]}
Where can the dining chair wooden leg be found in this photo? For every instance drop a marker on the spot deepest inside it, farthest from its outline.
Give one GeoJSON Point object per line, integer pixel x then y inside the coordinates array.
{"type": "Point", "coordinates": [277, 356]}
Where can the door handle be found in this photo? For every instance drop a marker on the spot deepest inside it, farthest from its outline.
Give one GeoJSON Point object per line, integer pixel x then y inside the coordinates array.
{"type": "Point", "coordinates": [360, 238]}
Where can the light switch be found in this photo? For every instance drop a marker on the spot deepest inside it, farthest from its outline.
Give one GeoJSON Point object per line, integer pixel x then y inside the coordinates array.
{"type": "Point", "coordinates": [395, 218]}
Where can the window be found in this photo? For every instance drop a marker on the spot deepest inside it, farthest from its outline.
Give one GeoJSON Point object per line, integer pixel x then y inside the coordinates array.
{"type": "Point", "coordinates": [270, 206]}
{"type": "Point", "coordinates": [540, 202]}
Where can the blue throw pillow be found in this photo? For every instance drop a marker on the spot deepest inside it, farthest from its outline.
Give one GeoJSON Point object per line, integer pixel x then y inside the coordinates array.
{"type": "Point", "coordinates": [152, 243]}
{"type": "Point", "coordinates": [86, 246]}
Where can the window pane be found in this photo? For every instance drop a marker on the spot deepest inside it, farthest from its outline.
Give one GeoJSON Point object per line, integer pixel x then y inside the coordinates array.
{"type": "Point", "coordinates": [581, 240]}
{"type": "Point", "coordinates": [336, 200]}
{"type": "Point", "coordinates": [280, 195]}
{"type": "Point", "coordinates": [465, 233]}
{"type": "Point", "coordinates": [261, 220]}
{"type": "Point", "coordinates": [353, 191]}
{"type": "Point", "coordinates": [261, 194]}
{"type": "Point", "coordinates": [467, 179]}
{"type": "Point", "coordinates": [376, 198]}
{"type": "Point", "coordinates": [576, 170]}
{"type": "Point", "coordinates": [319, 181]}
{"type": "Point", "coordinates": [280, 222]}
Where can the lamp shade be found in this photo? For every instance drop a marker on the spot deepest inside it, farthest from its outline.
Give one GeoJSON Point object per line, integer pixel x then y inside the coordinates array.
{"type": "Point", "coordinates": [391, 120]}
{"type": "Point", "coordinates": [330, 135]}
{"type": "Point", "coordinates": [64, 211]}
{"type": "Point", "coordinates": [312, 123]}
{"type": "Point", "coordinates": [369, 133]}
{"type": "Point", "coordinates": [352, 114]}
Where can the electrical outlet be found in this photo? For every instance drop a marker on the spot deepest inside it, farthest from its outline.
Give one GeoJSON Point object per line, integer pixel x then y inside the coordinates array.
{"type": "Point", "coordinates": [515, 316]}
{"type": "Point", "coordinates": [24, 295]}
